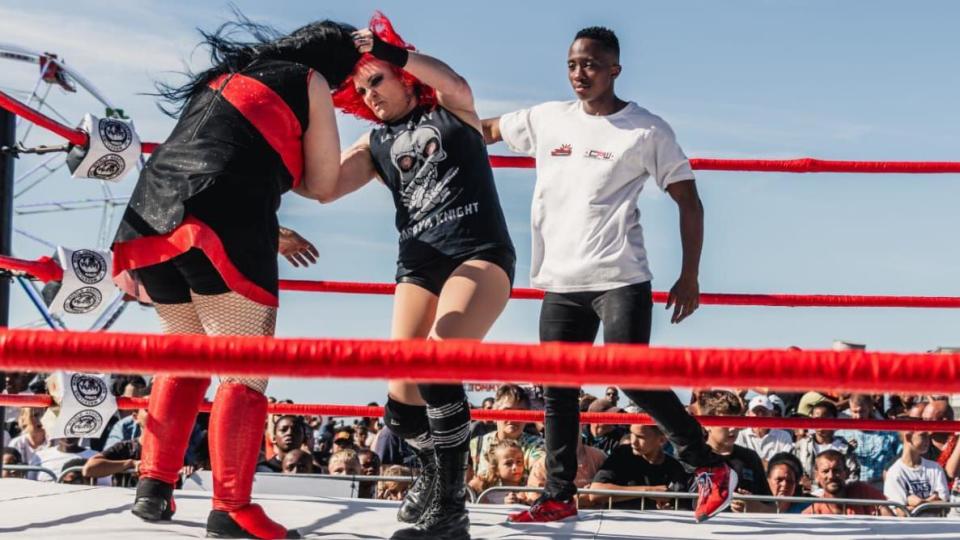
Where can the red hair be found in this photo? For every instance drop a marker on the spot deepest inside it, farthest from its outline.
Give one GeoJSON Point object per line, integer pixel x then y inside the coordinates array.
{"type": "Point", "coordinates": [349, 101]}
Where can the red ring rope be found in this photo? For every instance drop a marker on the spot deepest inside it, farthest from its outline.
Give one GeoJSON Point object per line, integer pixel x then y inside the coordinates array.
{"type": "Point", "coordinates": [299, 409]}
{"type": "Point", "coordinates": [725, 299]}
{"type": "Point", "coordinates": [46, 269]}
{"type": "Point", "coordinates": [550, 363]}
{"type": "Point", "coordinates": [800, 165]}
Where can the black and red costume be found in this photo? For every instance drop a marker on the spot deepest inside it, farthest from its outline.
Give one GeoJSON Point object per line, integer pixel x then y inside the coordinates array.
{"type": "Point", "coordinates": [203, 218]}
{"type": "Point", "coordinates": [215, 184]}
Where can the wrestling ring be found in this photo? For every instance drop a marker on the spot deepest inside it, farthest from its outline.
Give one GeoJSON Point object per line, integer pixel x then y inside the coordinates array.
{"type": "Point", "coordinates": [85, 511]}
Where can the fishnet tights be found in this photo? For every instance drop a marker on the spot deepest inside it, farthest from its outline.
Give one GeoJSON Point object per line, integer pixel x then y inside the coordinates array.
{"type": "Point", "coordinates": [228, 314]}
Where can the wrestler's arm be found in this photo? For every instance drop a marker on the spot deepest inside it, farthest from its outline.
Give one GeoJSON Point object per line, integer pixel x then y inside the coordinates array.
{"type": "Point", "coordinates": [356, 170]}
{"type": "Point", "coordinates": [453, 91]}
{"type": "Point", "coordinates": [491, 130]}
{"type": "Point", "coordinates": [298, 250]}
{"type": "Point", "coordinates": [320, 142]}
{"type": "Point", "coordinates": [685, 294]}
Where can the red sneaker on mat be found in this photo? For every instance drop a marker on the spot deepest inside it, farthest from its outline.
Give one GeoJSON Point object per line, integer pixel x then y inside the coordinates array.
{"type": "Point", "coordinates": [544, 510]}
{"type": "Point", "coordinates": [715, 487]}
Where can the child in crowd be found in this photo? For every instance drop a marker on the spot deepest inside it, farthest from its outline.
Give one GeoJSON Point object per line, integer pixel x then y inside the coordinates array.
{"type": "Point", "coordinates": [506, 468]}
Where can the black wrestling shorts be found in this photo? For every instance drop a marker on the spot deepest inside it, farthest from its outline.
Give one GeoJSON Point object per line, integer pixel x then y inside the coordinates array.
{"type": "Point", "coordinates": [170, 282]}
{"type": "Point", "coordinates": [434, 273]}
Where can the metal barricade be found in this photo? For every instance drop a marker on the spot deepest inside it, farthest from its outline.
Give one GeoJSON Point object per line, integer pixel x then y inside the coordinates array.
{"type": "Point", "coordinates": [359, 478]}
{"type": "Point", "coordinates": [676, 496]}
{"type": "Point", "coordinates": [31, 468]}
{"type": "Point", "coordinates": [92, 479]}
{"type": "Point", "coordinates": [347, 477]}
{"type": "Point", "coordinates": [920, 508]}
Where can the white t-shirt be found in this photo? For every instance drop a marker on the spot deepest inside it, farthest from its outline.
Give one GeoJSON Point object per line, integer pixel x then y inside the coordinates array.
{"type": "Point", "coordinates": [923, 481]}
{"type": "Point", "coordinates": [22, 444]}
{"type": "Point", "coordinates": [590, 171]}
{"type": "Point", "coordinates": [771, 444]}
{"type": "Point", "coordinates": [52, 458]}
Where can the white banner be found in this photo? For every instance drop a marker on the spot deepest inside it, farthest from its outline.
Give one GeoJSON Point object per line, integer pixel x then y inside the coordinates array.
{"type": "Point", "coordinates": [86, 405]}
{"type": "Point", "coordinates": [114, 149]}
{"type": "Point", "coordinates": [87, 287]}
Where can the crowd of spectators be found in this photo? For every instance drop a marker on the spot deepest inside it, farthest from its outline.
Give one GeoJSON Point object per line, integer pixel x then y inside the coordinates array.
{"type": "Point", "coordinates": [909, 468]}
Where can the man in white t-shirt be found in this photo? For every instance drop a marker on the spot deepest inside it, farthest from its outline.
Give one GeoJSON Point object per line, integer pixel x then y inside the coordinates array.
{"type": "Point", "coordinates": [765, 442]}
{"type": "Point", "coordinates": [55, 457]}
{"type": "Point", "coordinates": [913, 480]}
{"type": "Point", "coordinates": [594, 155]}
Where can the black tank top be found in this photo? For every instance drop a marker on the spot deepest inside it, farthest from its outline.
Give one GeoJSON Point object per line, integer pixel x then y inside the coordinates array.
{"type": "Point", "coordinates": [438, 171]}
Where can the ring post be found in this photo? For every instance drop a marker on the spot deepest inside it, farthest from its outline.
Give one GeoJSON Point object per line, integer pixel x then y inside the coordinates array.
{"type": "Point", "coordinates": [8, 135]}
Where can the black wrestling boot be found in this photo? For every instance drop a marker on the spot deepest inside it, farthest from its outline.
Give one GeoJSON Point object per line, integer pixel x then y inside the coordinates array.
{"type": "Point", "coordinates": [445, 517]}
{"type": "Point", "coordinates": [417, 498]}
{"type": "Point", "coordinates": [154, 500]}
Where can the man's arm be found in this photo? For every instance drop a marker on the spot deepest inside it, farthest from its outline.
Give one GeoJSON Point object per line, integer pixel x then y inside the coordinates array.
{"type": "Point", "coordinates": [491, 130]}
{"type": "Point", "coordinates": [641, 490]}
{"type": "Point", "coordinates": [99, 466]}
{"type": "Point", "coordinates": [685, 293]}
{"type": "Point", "coordinates": [952, 466]}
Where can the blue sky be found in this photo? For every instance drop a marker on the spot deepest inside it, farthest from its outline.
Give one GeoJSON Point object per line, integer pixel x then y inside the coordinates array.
{"type": "Point", "coordinates": [846, 80]}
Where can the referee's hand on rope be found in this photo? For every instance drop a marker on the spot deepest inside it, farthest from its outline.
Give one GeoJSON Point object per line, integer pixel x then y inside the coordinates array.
{"type": "Point", "coordinates": [297, 249]}
{"type": "Point", "coordinates": [684, 298]}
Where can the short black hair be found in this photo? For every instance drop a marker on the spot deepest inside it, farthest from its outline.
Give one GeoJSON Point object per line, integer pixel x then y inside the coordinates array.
{"type": "Point", "coordinates": [827, 406]}
{"type": "Point", "coordinates": [11, 451]}
{"type": "Point", "coordinates": [603, 35]}
{"type": "Point", "coordinates": [791, 461]}
{"type": "Point", "coordinates": [299, 424]}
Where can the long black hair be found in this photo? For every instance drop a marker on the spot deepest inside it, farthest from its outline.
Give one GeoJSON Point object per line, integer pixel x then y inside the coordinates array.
{"type": "Point", "coordinates": [326, 46]}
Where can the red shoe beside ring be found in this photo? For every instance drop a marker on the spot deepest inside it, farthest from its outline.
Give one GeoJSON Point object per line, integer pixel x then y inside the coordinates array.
{"type": "Point", "coordinates": [545, 510]}
{"type": "Point", "coordinates": [715, 488]}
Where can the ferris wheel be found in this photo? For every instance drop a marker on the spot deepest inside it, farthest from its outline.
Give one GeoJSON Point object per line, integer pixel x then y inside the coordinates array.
{"type": "Point", "coordinates": [44, 83]}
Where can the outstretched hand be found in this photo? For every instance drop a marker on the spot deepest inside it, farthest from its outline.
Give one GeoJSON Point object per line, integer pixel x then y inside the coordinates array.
{"type": "Point", "coordinates": [297, 249]}
{"type": "Point", "coordinates": [684, 298]}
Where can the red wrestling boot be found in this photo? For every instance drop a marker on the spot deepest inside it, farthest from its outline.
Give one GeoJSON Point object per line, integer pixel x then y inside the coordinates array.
{"type": "Point", "coordinates": [236, 430]}
{"type": "Point", "coordinates": [174, 403]}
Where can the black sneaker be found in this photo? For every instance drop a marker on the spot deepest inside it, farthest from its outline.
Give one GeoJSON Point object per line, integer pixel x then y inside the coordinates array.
{"type": "Point", "coordinates": [154, 500]}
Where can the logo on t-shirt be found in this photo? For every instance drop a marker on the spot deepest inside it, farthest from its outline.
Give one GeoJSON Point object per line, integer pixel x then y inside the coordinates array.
{"type": "Point", "coordinates": [598, 154]}
{"type": "Point", "coordinates": [563, 150]}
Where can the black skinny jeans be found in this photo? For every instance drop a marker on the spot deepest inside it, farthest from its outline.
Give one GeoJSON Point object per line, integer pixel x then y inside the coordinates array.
{"type": "Point", "coordinates": [626, 316]}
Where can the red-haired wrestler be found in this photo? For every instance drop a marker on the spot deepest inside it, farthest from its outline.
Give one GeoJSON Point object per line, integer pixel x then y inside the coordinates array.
{"type": "Point", "coordinates": [456, 260]}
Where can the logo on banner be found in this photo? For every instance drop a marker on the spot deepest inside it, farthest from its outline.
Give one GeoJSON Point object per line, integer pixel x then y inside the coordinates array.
{"type": "Point", "coordinates": [83, 423]}
{"type": "Point", "coordinates": [107, 167]}
{"type": "Point", "coordinates": [82, 301]}
{"type": "Point", "coordinates": [89, 266]}
{"type": "Point", "coordinates": [88, 390]}
{"type": "Point", "coordinates": [116, 136]}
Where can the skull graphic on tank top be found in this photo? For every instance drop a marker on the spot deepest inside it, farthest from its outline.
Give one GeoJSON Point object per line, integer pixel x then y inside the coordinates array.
{"type": "Point", "coordinates": [417, 154]}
